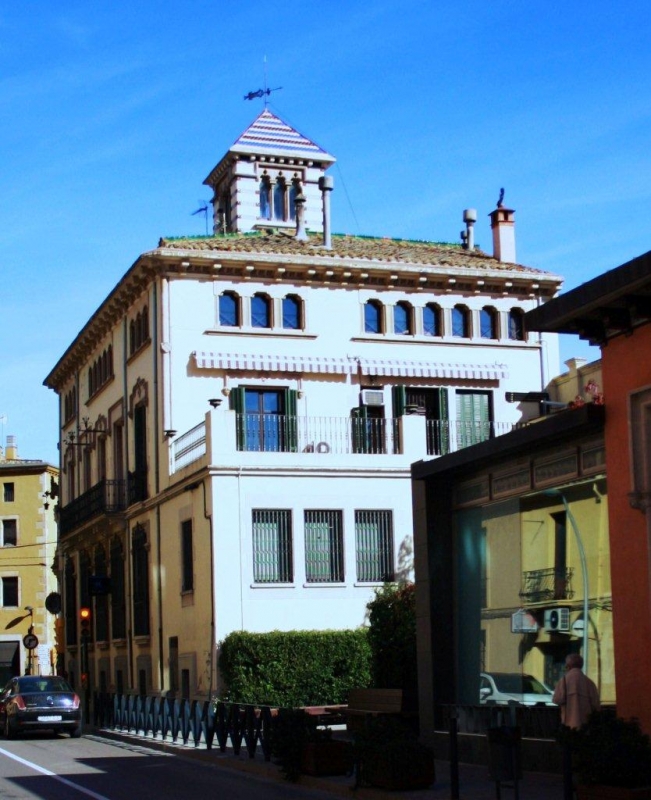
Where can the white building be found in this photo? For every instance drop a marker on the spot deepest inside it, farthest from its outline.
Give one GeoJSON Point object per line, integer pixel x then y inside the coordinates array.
{"type": "Point", "coordinates": [239, 416]}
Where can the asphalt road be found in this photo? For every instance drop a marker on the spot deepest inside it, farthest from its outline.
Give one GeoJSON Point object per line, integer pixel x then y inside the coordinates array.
{"type": "Point", "coordinates": [40, 767]}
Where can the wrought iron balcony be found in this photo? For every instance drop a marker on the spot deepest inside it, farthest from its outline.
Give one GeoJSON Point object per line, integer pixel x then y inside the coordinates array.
{"type": "Point", "coordinates": [540, 585]}
{"type": "Point", "coordinates": [105, 497]}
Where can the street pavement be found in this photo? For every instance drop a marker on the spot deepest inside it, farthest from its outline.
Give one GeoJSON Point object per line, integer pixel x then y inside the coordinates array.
{"type": "Point", "coordinates": [474, 781]}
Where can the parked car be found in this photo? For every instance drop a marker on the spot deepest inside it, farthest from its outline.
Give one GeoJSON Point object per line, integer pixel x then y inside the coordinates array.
{"type": "Point", "coordinates": [505, 687]}
{"type": "Point", "coordinates": [39, 702]}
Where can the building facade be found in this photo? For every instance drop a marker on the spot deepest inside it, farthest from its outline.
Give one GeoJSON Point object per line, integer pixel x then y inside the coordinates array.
{"type": "Point", "coordinates": [239, 416]}
{"type": "Point", "coordinates": [614, 312]}
{"type": "Point", "coordinates": [28, 535]}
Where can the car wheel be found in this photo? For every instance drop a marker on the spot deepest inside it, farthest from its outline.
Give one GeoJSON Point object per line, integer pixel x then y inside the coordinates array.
{"type": "Point", "coordinates": [10, 733]}
{"type": "Point", "coordinates": [75, 733]}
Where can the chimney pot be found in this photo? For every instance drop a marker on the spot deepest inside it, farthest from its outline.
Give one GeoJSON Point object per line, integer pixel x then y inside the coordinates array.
{"type": "Point", "coordinates": [503, 227]}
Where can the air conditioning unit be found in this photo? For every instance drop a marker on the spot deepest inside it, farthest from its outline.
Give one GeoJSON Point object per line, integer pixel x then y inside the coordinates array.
{"type": "Point", "coordinates": [372, 397]}
{"type": "Point", "coordinates": [557, 620]}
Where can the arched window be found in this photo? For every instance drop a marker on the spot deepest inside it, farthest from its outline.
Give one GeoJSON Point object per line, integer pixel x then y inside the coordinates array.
{"type": "Point", "coordinates": [118, 597]}
{"type": "Point", "coordinates": [229, 310]}
{"type": "Point", "coordinates": [373, 322]}
{"type": "Point", "coordinates": [260, 311]}
{"type": "Point", "coordinates": [460, 321]}
{"type": "Point", "coordinates": [516, 324]}
{"type": "Point", "coordinates": [432, 320]}
{"type": "Point", "coordinates": [488, 323]}
{"type": "Point", "coordinates": [293, 191]}
{"type": "Point", "coordinates": [280, 195]}
{"type": "Point", "coordinates": [403, 319]}
{"type": "Point", "coordinates": [265, 198]}
{"type": "Point", "coordinates": [292, 317]}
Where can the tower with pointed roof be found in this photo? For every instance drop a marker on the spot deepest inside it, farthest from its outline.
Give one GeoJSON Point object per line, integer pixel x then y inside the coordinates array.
{"type": "Point", "coordinates": [256, 183]}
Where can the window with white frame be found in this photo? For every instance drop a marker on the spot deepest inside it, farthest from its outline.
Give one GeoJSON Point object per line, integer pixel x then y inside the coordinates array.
{"type": "Point", "coordinates": [374, 546]}
{"type": "Point", "coordinates": [403, 319]}
{"type": "Point", "coordinates": [9, 533]}
{"type": "Point", "coordinates": [324, 546]}
{"type": "Point", "coordinates": [9, 588]}
{"type": "Point", "coordinates": [432, 324]}
{"type": "Point", "coordinates": [229, 310]}
{"type": "Point", "coordinates": [461, 321]}
{"type": "Point", "coordinates": [488, 323]}
{"type": "Point", "coordinates": [272, 546]}
{"type": "Point", "coordinates": [374, 317]}
{"type": "Point", "coordinates": [292, 312]}
{"type": "Point", "coordinates": [261, 311]}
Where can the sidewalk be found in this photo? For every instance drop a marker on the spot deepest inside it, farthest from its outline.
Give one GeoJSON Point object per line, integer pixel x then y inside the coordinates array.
{"type": "Point", "coordinates": [474, 782]}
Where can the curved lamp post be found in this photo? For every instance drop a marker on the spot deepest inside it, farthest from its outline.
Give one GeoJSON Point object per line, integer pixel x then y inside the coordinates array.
{"type": "Point", "coordinates": [584, 568]}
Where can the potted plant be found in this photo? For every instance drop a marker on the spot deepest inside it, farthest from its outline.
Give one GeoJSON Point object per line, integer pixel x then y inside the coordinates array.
{"type": "Point", "coordinates": [388, 755]}
{"type": "Point", "coordinates": [611, 758]}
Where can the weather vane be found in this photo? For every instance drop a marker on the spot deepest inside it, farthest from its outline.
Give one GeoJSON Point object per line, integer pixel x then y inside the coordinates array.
{"type": "Point", "coordinates": [262, 92]}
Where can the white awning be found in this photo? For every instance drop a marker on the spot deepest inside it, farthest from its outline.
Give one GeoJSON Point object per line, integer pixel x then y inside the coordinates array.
{"type": "Point", "coordinates": [347, 365]}
{"type": "Point", "coordinates": [431, 369]}
{"type": "Point", "coordinates": [275, 363]}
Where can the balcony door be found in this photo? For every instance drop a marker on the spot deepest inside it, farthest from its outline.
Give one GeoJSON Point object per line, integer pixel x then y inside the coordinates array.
{"type": "Point", "coordinates": [474, 414]}
{"type": "Point", "coordinates": [266, 419]}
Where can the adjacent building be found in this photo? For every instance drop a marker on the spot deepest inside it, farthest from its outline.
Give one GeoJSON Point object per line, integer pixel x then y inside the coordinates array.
{"type": "Point", "coordinates": [239, 416]}
{"type": "Point", "coordinates": [614, 312]}
{"type": "Point", "coordinates": [28, 536]}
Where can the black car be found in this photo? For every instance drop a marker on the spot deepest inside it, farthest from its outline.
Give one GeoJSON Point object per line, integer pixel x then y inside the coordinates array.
{"type": "Point", "coordinates": [39, 702]}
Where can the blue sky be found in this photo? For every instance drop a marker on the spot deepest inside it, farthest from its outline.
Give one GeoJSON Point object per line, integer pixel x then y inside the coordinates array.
{"type": "Point", "coordinates": [113, 114]}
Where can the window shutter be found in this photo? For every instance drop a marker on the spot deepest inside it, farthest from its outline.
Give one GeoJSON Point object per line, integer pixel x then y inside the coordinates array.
{"type": "Point", "coordinates": [444, 417]}
{"type": "Point", "coordinates": [399, 394]}
{"type": "Point", "coordinates": [359, 429]}
{"type": "Point", "coordinates": [236, 400]}
{"type": "Point", "coordinates": [291, 445]}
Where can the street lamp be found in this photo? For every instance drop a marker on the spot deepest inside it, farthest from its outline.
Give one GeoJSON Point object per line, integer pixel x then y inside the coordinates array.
{"type": "Point", "coordinates": [584, 568]}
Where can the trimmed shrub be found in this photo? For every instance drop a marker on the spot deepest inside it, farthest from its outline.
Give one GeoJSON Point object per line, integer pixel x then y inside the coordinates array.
{"type": "Point", "coordinates": [294, 668]}
{"type": "Point", "coordinates": [392, 637]}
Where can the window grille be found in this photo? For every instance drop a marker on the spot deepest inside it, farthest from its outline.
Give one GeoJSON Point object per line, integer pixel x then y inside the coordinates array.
{"type": "Point", "coordinates": [272, 546]}
{"type": "Point", "coordinates": [324, 551]}
{"type": "Point", "coordinates": [374, 546]}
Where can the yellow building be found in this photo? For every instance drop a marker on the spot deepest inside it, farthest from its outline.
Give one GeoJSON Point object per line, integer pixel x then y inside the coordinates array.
{"type": "Point", "coordinates": [28, 537]}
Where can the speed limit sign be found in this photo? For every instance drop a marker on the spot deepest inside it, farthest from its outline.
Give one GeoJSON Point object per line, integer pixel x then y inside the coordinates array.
{"type": "Point", "coordinates": [30, 641]}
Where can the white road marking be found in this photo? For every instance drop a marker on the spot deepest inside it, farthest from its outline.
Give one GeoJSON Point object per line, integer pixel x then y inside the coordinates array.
{"type": "Point", "coordinates": [51, 774]}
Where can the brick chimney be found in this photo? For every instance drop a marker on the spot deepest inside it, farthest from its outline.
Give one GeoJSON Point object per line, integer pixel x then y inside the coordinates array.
{"type": "Point", "coordinates": [503, 227]}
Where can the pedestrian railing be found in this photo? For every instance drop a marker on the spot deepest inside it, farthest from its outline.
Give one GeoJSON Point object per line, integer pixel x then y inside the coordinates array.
{"type": "Point", "coordinates": [190, 722]}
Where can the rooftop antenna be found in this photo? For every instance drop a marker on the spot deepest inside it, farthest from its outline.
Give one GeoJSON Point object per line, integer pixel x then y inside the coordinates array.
{"type": "Point", "coordinates": [263, 92]}
{"type": "Point", "coordinates": [203, 209]}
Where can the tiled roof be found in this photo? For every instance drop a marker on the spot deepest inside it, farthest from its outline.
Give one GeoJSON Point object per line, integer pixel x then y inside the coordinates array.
{"type": "Point", "coordinates": [269, 134]}
{"type": "Point", "coordinates": [354, 247]}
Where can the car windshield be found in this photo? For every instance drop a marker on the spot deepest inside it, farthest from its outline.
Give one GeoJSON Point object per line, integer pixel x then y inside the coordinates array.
{"type": "Point", "coordinates": [34, 683]}
{"type": "Point", "coordinates": [518, 684]}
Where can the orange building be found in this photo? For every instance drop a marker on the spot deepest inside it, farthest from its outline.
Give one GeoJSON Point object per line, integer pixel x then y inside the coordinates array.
{"type": "Point", "coordinates": [614, 312]}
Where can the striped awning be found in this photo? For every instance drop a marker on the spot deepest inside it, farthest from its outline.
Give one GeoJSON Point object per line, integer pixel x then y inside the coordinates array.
{"type": "Point", "coordinates": [346, 365]}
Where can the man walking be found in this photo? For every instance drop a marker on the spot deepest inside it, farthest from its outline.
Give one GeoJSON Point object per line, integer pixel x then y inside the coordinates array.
{"type": "Point", "coordinates": [576, 694]}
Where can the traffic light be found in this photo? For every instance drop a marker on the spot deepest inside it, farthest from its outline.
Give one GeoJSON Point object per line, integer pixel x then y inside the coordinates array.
{"type": "Point", "coordinates": [84, 619]}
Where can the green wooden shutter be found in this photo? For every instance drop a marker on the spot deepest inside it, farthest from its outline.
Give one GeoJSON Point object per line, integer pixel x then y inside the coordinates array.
{"type": "Point", "coordinates": [359, 429]}
{"type": "Point", "coordinates": [399, 398]}
{"type": "Point", "coordinates": [236, 400]}
{"type": "Point", "coordinates": [444, 422]}
{"type": "Point", "coordinates": [473, 416]}
{"type": "Point", "coordinates": [291, 428]}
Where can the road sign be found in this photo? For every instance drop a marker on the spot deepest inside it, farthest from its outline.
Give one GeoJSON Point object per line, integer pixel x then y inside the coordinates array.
{"type": "Point", "coordinates": [30, 641]}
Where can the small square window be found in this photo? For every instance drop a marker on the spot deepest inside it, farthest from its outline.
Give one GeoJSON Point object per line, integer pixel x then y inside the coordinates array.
{"type": "Point", "coordinates": [9, 532]}
{"type": "Point", "coordinates": [9, 588]}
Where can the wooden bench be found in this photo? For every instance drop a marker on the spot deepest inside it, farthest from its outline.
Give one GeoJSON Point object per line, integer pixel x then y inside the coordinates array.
{"type": "Point", "coordinates": [366, 703]}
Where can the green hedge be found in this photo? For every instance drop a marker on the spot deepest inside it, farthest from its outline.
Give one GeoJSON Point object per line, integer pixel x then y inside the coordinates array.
{"type": "Point", "coordinates": [294, 668]}
{"type": "Point", "coordinates": [392, 637]}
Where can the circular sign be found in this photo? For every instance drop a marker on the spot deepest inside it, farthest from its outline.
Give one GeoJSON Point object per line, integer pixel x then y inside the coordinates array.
{"type": "Point", "coordinates": [30, 641]}
{"type": "Point", "coordinates": [53, 603]}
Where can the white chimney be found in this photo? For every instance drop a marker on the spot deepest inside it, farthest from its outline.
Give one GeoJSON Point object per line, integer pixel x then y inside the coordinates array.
{"type": "Point", "coordinates": [326, 184]}
{"type": "Point", "coordinates": [503, 226]}
{"type": "Point", "coordinates": [301, 233]}
{"type": "Point", "coordinates": [12, 449]}
{"type": "Point", "coordinates": [469, 217]}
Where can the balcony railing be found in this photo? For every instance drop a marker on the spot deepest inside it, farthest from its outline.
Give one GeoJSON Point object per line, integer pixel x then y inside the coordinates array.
{"type": "Point", "coordinates": [540, 585]}
{"type": "Point", "coordinates": [189, 447]}
{"type": "Point", "coordinates": [106, 497]}
{"type": "Point", "coordinates": [274, 433]}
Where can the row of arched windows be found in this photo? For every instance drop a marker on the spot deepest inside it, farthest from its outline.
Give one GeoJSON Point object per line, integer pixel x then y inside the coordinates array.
{"type": "Point", "coordinates": [278, 198]}
{"type": "Point", "coordinates": [432, 321]}
{"type": "Point", "coordinates": [139, 330]}
{"type": "Point", "coordinates": [261, 309]}
{"type": "Point", "coordinates": [101, 371]}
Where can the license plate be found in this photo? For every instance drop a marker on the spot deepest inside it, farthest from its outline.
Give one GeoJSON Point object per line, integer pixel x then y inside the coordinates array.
{"type": "Point", "coordinates": [50, 718]}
